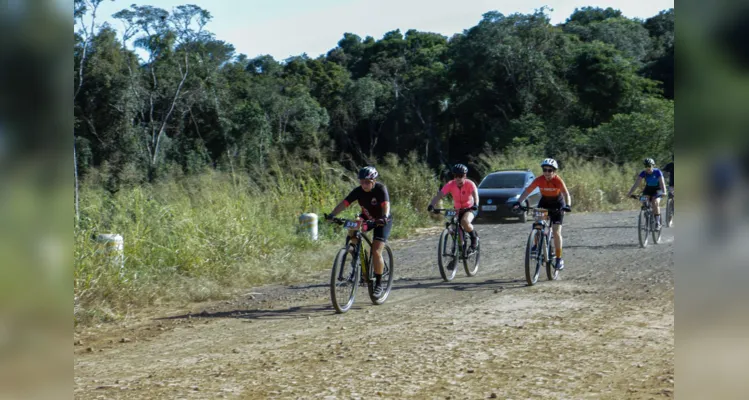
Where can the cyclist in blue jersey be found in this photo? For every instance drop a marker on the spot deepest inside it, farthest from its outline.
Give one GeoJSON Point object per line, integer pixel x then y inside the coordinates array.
{"type": "Point", "coordinates": [655, 186]}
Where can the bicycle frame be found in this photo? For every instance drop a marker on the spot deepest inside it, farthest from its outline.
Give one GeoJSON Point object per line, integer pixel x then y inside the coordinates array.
{"type": "Point", "coordinates": [456, 229]}
{"type": "Point", "coordinates": [355, 226]}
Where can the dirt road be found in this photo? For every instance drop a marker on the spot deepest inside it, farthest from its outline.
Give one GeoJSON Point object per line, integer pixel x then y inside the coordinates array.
{"type": "Point", "coordinates": [604, 331]}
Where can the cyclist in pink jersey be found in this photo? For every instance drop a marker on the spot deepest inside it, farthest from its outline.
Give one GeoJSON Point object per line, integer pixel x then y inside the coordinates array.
{"type": "Point", "coordinates": [465, 196]}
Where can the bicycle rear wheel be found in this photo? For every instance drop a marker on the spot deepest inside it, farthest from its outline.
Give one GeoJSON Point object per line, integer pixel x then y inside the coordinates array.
{"type": "Point", "coordinates": [344, 281]}
{"type": "Point", "coordinates": [471, 263]}
{"type": "Point", "coordinates": [387, 276]}
{"type": "Point", "coordinates": [446, 256]}
{"type": "Point", "coordinates": [551, 273]}
{"type": "Point", "coordinates": [534, 257]}
{"type": "Point", "coordinates": [643, 228]}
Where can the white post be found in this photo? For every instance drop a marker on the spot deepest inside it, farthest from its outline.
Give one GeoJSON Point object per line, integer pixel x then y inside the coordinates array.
{"type": "Point", "coordinates": [114, 246]}
{"type": "Point", "coordinates": [308, 225]}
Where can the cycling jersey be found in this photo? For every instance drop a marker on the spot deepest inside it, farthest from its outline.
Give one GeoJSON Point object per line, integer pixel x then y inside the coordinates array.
{"type": "Point", "coordinates": [462, 196]}
{"type": "Point", "coordinates": [370, 202]}
{"type": "Point", "coordinates": [551, 188]}
{"type": "Point", "coordinates": [652, 179]}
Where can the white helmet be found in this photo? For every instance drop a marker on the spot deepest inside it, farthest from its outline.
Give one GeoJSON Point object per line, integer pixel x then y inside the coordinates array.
{"type": "Point", "coordinates": [550, 162]}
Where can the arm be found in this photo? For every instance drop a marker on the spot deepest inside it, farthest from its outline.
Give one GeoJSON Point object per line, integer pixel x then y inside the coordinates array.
{"type": "Point", "coordinates": [437, 197]}
{"type": "Point", "coordinates": [637, 183]}
{"type": "Point", "coordinates": [340, 207]}
{"type": "Point", "coordinates": [527, 192]}
{"type": "Point", "coordinates": [663, 184]}
{"type": "Point", "coordinates": [566, 194]}
{"type": "Point", "coordinates": [475, 196]}
{"type": "Point", "coordinates": [386, 209]}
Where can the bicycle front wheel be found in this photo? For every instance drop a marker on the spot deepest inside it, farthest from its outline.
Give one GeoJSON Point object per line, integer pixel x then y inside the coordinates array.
{"type": "Point", "coordinates": [446, 256]}
{"type": "Point", "coordinates": [387, 276]}
{"type": "Point", "coordinates": [551, 273]}
{"type": "Point", "coordinates": [533, 256]}
{"type": "Point", "coordinates": [670, 212]}
{"type": "Point", "coordinates": [643, 228]}
{"type": "Point", "coordinates": [656, 232]}
{"type": "Point", "coordinates": [471, 263]}
{"type": "Point", "coordinates": [344, 280]}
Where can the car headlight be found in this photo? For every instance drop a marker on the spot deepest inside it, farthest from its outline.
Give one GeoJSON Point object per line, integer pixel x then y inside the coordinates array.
{"type": "Point", "coordinates": [513, 198]}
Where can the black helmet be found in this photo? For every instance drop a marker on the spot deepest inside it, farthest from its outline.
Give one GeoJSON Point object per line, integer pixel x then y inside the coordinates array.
{"type": "Point", "coordinates": [460, 169]}
{"type": "Point", "coordinates": [648, 162]}
{"type": "Point", "coordinates": [368, 173]}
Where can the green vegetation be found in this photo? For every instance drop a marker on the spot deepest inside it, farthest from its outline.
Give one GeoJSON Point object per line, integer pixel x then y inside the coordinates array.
{"type": "Point", "coordinates": [204, 159]}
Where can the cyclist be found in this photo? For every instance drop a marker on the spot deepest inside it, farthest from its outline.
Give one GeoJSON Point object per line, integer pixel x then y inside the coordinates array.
{"type": "Point", "coordinates": [374, 200]}
{"type": "Point", "coordinates": [554, 197]}
{"type": "Point", "coordinates": [655, 186]}
{"type": "Point", "coordinates": [465, 194]}
{"type": "Point", "coordinates": [670, 169]}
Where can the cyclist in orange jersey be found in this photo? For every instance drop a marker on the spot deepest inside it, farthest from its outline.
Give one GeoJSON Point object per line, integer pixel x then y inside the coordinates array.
{"type": "Point", "coordinates": [554, 197]}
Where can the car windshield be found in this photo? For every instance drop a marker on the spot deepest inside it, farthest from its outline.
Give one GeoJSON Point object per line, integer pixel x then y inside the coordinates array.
{"type": "Point", "coordinates": [503, 181]}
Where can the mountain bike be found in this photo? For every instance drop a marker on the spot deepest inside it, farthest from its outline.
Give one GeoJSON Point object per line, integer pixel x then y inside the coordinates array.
{"type": "Point", "coordinates": [670, 208]}
{"type": "Point", "coordinates": [539, 250]}
{"type": "Point", "coordinates": [454, 246]}
{"type": "Point", "coordinates": [353, 266]}
{"type": "Point", "coordinates": [646, 224]}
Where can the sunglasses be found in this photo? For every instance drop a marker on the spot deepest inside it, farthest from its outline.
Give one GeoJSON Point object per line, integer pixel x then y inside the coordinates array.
{"type": "Point", "coordinates": [548, 170]}
{"type": "Point", "coordinates": [459, 176]}
{"type": "Point", "coordinates": [363, 181]}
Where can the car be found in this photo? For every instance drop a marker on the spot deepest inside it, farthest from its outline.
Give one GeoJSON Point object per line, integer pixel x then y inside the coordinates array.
{"type": "Point", "coordinates": [499, 190]}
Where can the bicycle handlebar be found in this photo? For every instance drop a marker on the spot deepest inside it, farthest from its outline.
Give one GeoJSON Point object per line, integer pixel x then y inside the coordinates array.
{"type": "Point", "coordinates": [439, 210]}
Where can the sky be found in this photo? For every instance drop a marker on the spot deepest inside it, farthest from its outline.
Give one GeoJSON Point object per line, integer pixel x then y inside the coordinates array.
{"type": "Point", "coordinates": [284, 28]}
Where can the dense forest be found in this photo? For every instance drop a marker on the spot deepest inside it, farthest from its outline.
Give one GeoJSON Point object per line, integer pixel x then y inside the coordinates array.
{"type": "Point", "coordinates": [599, 85]}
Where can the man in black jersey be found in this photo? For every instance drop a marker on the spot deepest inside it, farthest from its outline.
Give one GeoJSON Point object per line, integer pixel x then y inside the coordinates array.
{"type": "Point", "coordinates": [669, 169]}
{"type": "Point", "coordinates": [375, 203]}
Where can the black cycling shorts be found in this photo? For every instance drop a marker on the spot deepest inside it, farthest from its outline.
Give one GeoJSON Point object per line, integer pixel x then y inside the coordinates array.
{"type": "Point", "coordinates": [652, 191]}
{"type": "Point", "coordinates": [382, 233]}
{"type": "Point", "coordinates": [554, 205]}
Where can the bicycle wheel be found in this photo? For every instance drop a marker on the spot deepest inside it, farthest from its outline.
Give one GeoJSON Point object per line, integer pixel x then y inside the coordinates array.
{"type": "Point", "coordinates": [447, 250]}
{"type": "Point", "coordinates": [656, 232]}
{"type": "Point", "coordinates": [533, 257]}
{"type": "Point", "coordinates": [670, 212]}
{"type": "Point", "coordinates": [643, 228]}
{"type": "Point", "coordinates": [471, 263]}
{"type": "Point", "coordinates": [551, 273]}
{"type": "Point", "coordinates": [344, 280]}
{"type": "Point", "coordinates": [387, 276]}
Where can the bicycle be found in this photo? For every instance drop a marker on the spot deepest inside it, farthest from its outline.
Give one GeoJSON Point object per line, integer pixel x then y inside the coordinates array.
{"type": "Point", "coordinates": [350, 269]}
{"type": "Point", "coordinates": [452, 239]}
{"type": "Point", "coordinates": [540, 247]}
{"type": "Point", "coordinates": [646, 223]}
{"type": "Point", "coordinates": [670, 208]}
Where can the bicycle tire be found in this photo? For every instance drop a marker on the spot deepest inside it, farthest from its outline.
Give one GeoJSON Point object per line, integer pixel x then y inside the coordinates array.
{"type": "Point", "coordinates": [657, 233]}
{"type": "Point", "coordinates": [471, 263]}
{"type": "Point", "coordinates": [643, 228]}
{"type": "Point", "coordinates": [443, 259]}
{"type": "Point", "coordinates": [387, 277]}
{"type": "Point", "coordinates": [552, 273]}
{"type": "Point", "coordinates": [343, 301]}
{"type": "Point", "coordinates": [533, 259]}
{"type": "Point", "coordinates": [670, 212]}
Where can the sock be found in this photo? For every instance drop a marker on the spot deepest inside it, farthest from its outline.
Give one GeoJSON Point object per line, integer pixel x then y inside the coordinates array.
{"type": "Point", "coordinates": [378, 278]}
{"type": "Point", "coordinates": [558, 252]}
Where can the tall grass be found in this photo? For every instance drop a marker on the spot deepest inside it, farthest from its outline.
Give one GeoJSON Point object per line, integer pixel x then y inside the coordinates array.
{"type": "Point", "coordinates": [596, 185]}
{"type": "Point", "coordinates": [194, 237]}
{"type": "Point", "coordinates": [197, 237]}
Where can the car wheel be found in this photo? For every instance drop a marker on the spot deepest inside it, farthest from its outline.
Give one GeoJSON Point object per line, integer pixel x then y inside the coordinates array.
{"type": "Point", "coordinates": [524, 215]}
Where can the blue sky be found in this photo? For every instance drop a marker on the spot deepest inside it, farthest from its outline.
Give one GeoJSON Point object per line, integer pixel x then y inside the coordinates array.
{"type": "Point", "coordinates": [284, 28]}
